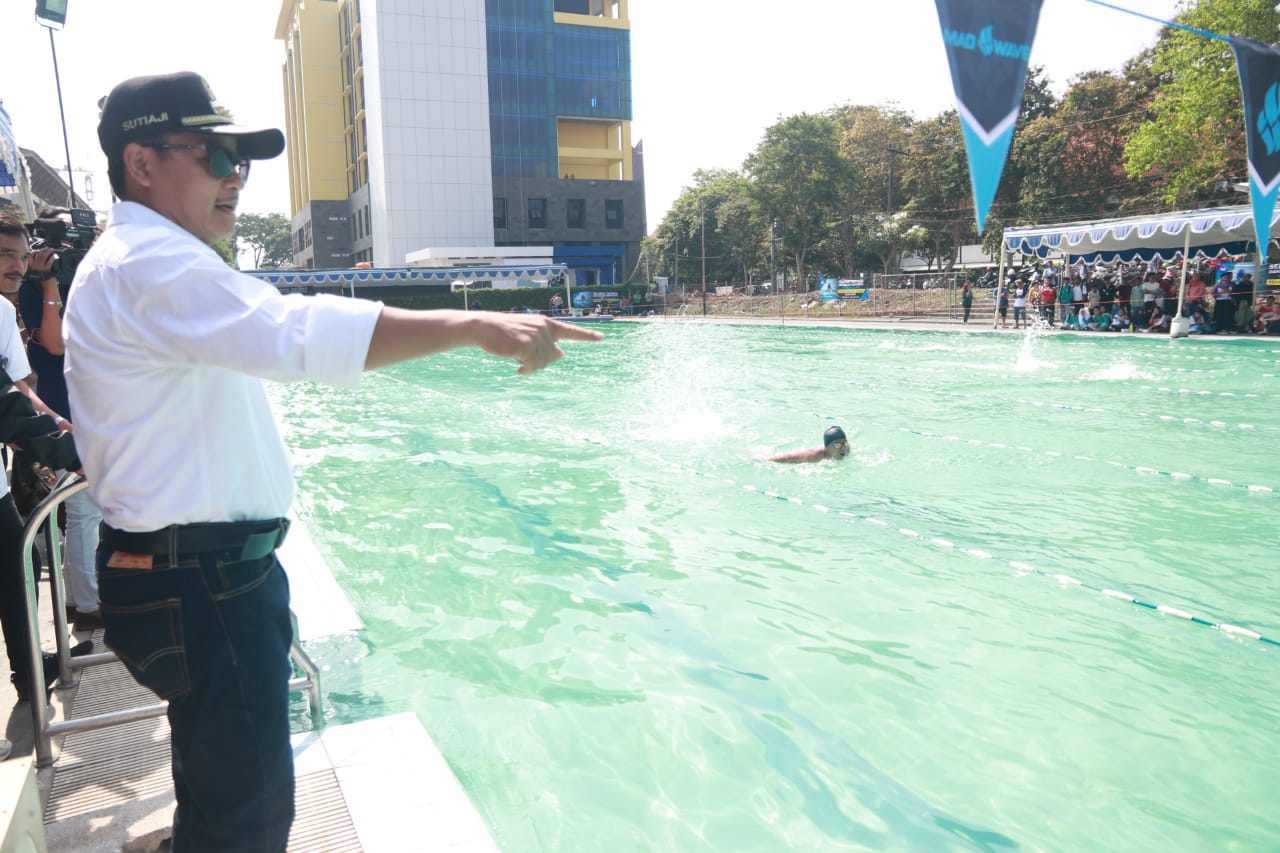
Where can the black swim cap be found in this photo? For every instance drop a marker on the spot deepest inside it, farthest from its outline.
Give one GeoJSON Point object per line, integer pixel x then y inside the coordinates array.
{"type": "Point", "coordinates": [832, 435]}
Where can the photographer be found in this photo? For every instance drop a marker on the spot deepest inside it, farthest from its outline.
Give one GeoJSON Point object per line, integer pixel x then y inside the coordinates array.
{"type": "Point", "coordinates": [40, 306]}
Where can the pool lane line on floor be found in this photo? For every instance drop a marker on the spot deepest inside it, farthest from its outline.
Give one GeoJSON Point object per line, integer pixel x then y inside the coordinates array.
{"type": "Point", "coordinates": [1065, 580]}
{"type": "Point", "coordinates": [1140, 469]}
{"type": "Point", "coordinates": [1025, 568]}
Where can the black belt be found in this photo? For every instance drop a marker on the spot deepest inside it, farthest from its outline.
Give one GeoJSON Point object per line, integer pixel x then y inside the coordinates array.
{"type": "Point", "coordinates": [254, 539]}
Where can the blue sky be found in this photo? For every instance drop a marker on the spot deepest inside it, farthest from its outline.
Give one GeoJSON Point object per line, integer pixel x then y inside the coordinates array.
{"type": "Point", "coordinates": [707, 79]}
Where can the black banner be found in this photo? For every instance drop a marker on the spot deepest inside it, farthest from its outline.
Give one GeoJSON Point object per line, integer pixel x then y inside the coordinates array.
{"type": "Point", "coordinates": [1259, 67]}
{"type": "Point", "coordinates": [988, 46]}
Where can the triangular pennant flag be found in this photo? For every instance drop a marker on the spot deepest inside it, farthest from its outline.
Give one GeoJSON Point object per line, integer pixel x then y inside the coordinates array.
{"type": "Point", "coordinates": [988, 45]}
{"type": "Point", "coordinates": [1259, 67]}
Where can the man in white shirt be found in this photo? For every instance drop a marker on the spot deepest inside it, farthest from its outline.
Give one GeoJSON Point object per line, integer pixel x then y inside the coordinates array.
{"type": "Point", "coordinates": [166, 350]}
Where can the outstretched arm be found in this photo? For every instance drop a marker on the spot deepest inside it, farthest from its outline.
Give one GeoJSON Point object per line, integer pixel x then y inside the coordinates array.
{"type": "Point", "coordinates": [817, 454]}
{"type": "Point", "coordinates": [531, 339]}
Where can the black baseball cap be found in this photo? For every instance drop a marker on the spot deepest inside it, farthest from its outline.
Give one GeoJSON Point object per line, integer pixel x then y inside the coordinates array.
{"type": "Point", "coordinates": [171, 103]}
{"type": "Point", "coordinates": [832, 435]}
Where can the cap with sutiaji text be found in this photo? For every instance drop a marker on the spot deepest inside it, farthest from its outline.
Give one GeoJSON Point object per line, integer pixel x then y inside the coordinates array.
{"type": "Point", "coordinates": [144, 107]}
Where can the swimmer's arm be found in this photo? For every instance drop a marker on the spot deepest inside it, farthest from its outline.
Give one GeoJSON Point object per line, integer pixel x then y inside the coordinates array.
{"type": "Point", "coordinates": [402, 335]}
{"type": "Point", "coordinates": [817, 454]}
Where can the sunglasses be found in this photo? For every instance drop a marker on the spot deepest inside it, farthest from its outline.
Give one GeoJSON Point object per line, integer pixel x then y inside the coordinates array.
{"type": "Point", "coordinates": [221, 160]}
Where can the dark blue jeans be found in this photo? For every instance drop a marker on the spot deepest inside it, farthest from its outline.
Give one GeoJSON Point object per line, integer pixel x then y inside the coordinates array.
{"type": "Point", "coordinates": [211, 634]}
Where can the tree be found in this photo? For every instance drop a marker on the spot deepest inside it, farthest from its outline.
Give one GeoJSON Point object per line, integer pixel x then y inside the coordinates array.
{"type": "Point", "coordinates": [227, 252]}
{"type": "Point", "coordinates": [893, 236]}
{"type": "Point", "coordinates": [873, 146]}
{"type": "Point", "coordinates": [796, 175]}
{"type": "Point", "coordinates": [874, 141]}
{"type": "Point", "coordinates": [718, 214]}
{"type": "Point", "coordinates": [935, 179]}
{"type": "Point", "coordinates": [1098, 115]}
{"type": "Point", "coordinates": [1196, 134]}
{"type": "Point", "coordinates": [268, 237]}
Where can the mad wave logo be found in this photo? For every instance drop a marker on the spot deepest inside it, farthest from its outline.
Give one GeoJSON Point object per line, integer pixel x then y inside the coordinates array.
{"type": "Point", "coordinates": [1269, 119]}
{"type": "Point", "coordinates": [987, 40]}
{"type": "Point", "coordinates": [987, 44]}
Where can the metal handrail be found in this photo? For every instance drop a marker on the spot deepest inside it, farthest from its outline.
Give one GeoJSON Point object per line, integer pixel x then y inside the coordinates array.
{"type": "Point", "coordinates": [68, 667]}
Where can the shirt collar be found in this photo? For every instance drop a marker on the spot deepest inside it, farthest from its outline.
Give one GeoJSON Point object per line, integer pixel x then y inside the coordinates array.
{"type": "Point", "coordinates": [133, 213]}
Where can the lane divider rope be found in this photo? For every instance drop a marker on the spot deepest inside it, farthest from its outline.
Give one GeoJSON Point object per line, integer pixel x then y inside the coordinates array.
{"type": "Point", "coordinates": [1065, 580]}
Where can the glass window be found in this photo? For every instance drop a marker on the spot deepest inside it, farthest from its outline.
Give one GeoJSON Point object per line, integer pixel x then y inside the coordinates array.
{"type": "Point", "coordinates": [576, 213]}
{"type": "Point", "coordinates": [613, 213]}
{"type": "Point", "coordinates": [499, 213]}
{"type": "Point", "coordinates": [537, 213]}
{"type": "Point", "coordinates": [593, 72]}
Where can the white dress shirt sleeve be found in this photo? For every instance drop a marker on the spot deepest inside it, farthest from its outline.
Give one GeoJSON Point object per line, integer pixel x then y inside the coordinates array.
{"type": "Point", "coordinates": [190, 308]}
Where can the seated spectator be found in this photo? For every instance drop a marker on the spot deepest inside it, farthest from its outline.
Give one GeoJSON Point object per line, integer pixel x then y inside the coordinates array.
{"type": "Point", "coordinates": [1084, 320]}
{"type": "Point", "coordinates": [1100, 320]}
{"type": "Point", "coordinates": [1244, 316]}
{"type": "Point", "coordinates": [1120, 319]}
{"type": "Point", "coordinates": [1265, 314]}
{"type": "Point", "coordinates": [1200, 322]}
{"type": "Point", "coordinates": [1071, 317]}
{"type": "Point", "coordinates": [1159, 321]}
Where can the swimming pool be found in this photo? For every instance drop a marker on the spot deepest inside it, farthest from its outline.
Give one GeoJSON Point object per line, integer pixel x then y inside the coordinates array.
{"type": "Point", "coordinates": [626, 632]}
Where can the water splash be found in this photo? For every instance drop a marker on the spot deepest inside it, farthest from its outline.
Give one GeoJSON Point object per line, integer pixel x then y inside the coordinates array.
{"type": "Point", "coordinates": [1120, 371]}
{"type": "Point", "coordinates": [1026, 360]}
{"type": "Point", "coordinates": [873, 460]}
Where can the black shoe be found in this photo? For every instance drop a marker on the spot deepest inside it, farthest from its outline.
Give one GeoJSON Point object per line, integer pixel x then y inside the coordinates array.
{"type": "Point", "coordinates": [49, 663]}
{"type": "Point", "coordinates": [22, 686]}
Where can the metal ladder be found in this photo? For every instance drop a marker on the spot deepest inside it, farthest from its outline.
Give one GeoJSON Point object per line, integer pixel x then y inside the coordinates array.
{"type": "Point", "coordinates": [69, 667]}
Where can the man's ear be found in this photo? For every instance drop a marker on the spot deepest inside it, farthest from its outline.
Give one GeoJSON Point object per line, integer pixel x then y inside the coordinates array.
{"type": "Point", "coordinates": [137, 163]}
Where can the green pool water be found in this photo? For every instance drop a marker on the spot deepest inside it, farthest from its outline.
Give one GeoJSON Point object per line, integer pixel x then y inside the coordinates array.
{"type": "Point", "coordinates": [627, 632]}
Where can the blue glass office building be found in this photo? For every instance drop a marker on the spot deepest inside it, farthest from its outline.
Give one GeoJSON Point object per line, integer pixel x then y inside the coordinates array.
{"type": "Point", "coordinates": [464, 124]}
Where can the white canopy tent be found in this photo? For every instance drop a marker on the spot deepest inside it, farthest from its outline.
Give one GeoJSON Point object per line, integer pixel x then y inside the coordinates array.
{"type": "Point", "coordinates": [1211, 232]}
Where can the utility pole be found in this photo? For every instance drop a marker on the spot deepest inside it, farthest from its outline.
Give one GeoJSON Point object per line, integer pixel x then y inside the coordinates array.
{"type": "Point", "coordinates": [702, 227]}
{"type": "Point", "coordinates": [773, 274]}
{"type": "Point", "coordinates": [676, 267]}
{"type": "Point", "coordinates": [889, 190]}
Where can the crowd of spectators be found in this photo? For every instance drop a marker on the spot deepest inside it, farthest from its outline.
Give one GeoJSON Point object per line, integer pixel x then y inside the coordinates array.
{"type": "Point", "coordinates": [1124, 298]}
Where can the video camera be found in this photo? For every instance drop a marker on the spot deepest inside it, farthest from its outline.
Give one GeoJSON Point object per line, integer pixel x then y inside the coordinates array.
{"type": "Point", "coordinates": [71, 240]}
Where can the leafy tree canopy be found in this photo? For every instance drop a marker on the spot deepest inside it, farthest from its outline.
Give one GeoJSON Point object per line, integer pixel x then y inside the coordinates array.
{"type": "Point", "coordinates": [1196, 131]}
{"type": "Point", "coordinates": [268, 238]}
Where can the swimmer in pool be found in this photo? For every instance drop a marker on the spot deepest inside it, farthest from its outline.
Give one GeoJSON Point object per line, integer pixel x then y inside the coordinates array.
{"type": "Point", "coordinates": [834, 446]}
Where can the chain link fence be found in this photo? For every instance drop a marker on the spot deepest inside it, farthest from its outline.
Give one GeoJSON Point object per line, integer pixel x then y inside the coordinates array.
{"type": "Point", "coordinates": [921, 296]}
